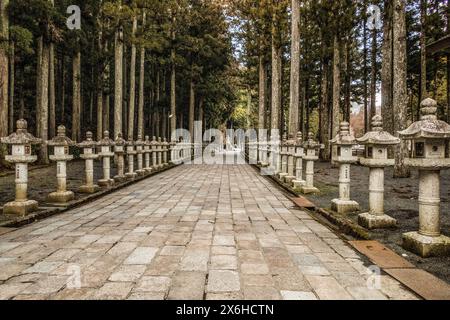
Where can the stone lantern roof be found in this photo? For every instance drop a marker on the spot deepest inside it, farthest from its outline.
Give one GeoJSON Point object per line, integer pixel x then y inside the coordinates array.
{"type": "Point", "coordinates": [21, 136]}
{"type": "Point", "coordinates": [61, 140]}
{"type": "Point", "coordinates": [147, 140]}
{"type": "Point", "coordinates": [120, 141]}
{"type": "Point", "coordinates": [344, 137]}
{"type": "Point", "coordinates": [378, 136]}
{"type": "Point", "coordinates": [311, 143]}
{"type": "Point", "coordinates": [89, 142]}
{"type": "Point", "coordinates": [429, 127]}
{"type": "Point", "coordinates": [106, 141]}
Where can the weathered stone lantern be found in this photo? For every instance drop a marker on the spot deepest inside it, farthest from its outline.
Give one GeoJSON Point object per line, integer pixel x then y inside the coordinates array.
{"type": "Point", "coordinates": [172, 147]}
{"type": "Point", "coordinates": [376, 144]}
{"type": "Point", "coordinates": [140, 153]}
{"type": "Point", "coordinates": [344, 142]}
{"type": "Point", "coordinates": [21, 142]}
{"type": "Point", "coordinates": [159, 153]}
{"type": "Point", "coordinates": [429, 138]}
{"type": "Point", "coordinates": [284, 158]}
{"type": "Point", "coordinates": [291, 144]}
{"type": "Point", "coordinates": [298, 182]}
{"type": "Point", "coordinates": [106, 154]}
{"type": "Point", "coordinates": [130, 154]}
{"type": "Point", "coordinates": [119, 150]}
{"type": "Point", "coordinates": [61, 144]}
{"type": "Point", "coordinates": [312, 148]}
{"type": "Point", "coordinates": [147, 152]}
{"type": "Point", "coordinates": [89, 156]}
{"type": "Point", "coordinates": [154, 147]}
{"type": "Point", "coordinates": [165, 152]}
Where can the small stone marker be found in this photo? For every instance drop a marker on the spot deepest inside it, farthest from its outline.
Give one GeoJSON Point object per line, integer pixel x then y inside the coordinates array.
{"type": "Point", "coordinates": [298, 182]}
{"type": "Point", "coordinates": [312, 148]}
{"type": "Point", "coordinates": [106, 154]}
{"type": "Point", "coordinates": [131, 175]}
{"type": "Point", "coordinates": [119, 150]}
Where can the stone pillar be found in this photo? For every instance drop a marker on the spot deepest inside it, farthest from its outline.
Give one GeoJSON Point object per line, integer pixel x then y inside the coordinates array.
{"type": "Point", "coordinates": [131, 175]}
{"type": "Point", "coordinates": [89, 156]}
{"type": "Point", "coordinates": [165, 151]}
{"type": "Point", "coordinates": [344, 142]}
{"type": "Point", "coordinates": [298, 182]}
{"type": "Point", "coordinates": [60, 145]}
{"type": "Point", "coordinates": [154, 147]}
{"type": "Point", "coordinates": [290, 160]}
{"type": "Point", "coordinates": [282, 172]}
{"type": "Point", "coordinates": [106, 154]}
{"type": "Point", "coordinates": [312, 148]}
{"type": "Point", "coordinates": [119, 150]}
{"type": "Point", "coordinates": [159, 153]}
{"type": "Point", "coordinates": [140, 151]}
{"type": "Point", "coordinates": [147, 152]}
{"type": "Point", "coordinates": [21, 142]}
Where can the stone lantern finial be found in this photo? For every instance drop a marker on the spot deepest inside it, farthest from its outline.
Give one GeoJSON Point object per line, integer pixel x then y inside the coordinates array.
{"type": "Point", "coordinates": [89, 136]}
{"type": "Point", "coordinates": [61, 131]}
{"type": "Point", "coordinates": [299, 137]}
{"type": "Point", "coordinates": [377, 123]}
{"type": "Point", "coordinates": [21, 124]}
{"type": "Point", "coordinates": [310, 136]}
{"type": "Point", "coordinates": [428, 109]}
{"type": "Point", "coordinates": [344, 128]}
{"type": "Point", "coordinates": [106, 134]}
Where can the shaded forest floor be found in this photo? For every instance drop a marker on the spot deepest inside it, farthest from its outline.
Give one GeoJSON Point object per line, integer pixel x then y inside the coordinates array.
{"type": "Point", "coordinates": [400, 203]}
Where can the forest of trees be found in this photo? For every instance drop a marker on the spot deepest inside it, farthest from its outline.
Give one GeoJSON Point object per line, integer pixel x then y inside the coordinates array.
{"type": "Point", "coordinates": [148, 66]}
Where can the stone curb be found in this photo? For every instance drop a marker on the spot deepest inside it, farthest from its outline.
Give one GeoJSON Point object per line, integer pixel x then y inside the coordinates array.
{"type": "Point", "coordinates": [50, 210]}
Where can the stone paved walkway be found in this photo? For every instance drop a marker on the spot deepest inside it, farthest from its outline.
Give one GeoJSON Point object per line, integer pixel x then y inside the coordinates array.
{"type": "Point", "coordinates": [194, 232]}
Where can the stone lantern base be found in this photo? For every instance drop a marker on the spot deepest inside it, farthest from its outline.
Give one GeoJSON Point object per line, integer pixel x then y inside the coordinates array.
{"type": "Point", "coordinates": [89, 189]}
{"type": "Point", "coordinates": [426, 246]}
{"type": "Point", "coordinates": [344, 206]}
{"type": "Point", "coordinates": [282, 175]}
{"type": "Point", "coordinates": [298, 183]}
{"type": "Point", "coordinates": [131, 176]}
{"type": "Point", "coordinates": [60, 197]}
{"type": "Point", "coordinates": [105, 183]}
{"type": "Point", "coordinates": [21, 208]}
{"type": "Point", "coordinates": [140, 172]}
{"type": "Point", "coordinates": [309, 190]}
{"type": "Point", "coordinates": [372, 221]}
{"type": "Point", "coordinates": [289, 179]}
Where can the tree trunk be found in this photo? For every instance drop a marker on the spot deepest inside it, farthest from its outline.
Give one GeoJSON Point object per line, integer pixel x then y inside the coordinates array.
{"type": "Point", "coordinates": [295, 69]}
{"type": "Point", "coordinates": [386, 70]}
{"type": "Point", "coordinates": [52, 92]}
{"type": "Point", "coordinates": [141, 86]}
{"type": "Point", "coordinates": [132, 97]}
{"type": "Point", "coordinates": [400, 96]}
{"type": "Point", "coordinates": [262, 93]}
{"type": "Point", "coordinates": [4, 77]}
{"type": "Point", "coordinates": [42, 96]}
{"type": "Point", "coordinates": [276, 84]}
{"type": "Point", "coordinates": [11, 86]}
{"type": "Point", "coordinates": [118, 83]}
{"type": "Point", "coordinates": [423, 50]}
{"type": "Point", "coordinates": [448, 64]}
{"type": "Point", "coordinates": [324, 132]}
{"type": "Point", "coordinates": [365, 75]}
{"type": "Point", "coordinates": [63, 89]}
{"type": "Point", "coordinates": [373, 77]}
{"type": "Point", "coordinates": [191, 108]}
{"type": "Point", "coordinates": [336, 87]}
{"type": "Point", "coordinates": [76, 111]}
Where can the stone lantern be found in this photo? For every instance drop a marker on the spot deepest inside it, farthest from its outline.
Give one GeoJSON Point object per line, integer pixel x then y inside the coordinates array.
{"type": "Point", "coordinates": [429, 138]}
{"type": "Point", "coordinates": [21, 142]}
{"type": "Point", "coordinates": [290, 144]}
{"type": "Point", "coordinates": [106, 154]}
{"type": "Point", "coordinates": [147, 153]}
{"type": "Point", "coordinates": [130, 153]}
{"type": "Point", "coordinates": [376, 142]}
{"type": "Point", "coordinates": [298, 182]}
{"type": "Point", "coordinates": [61, 144]}
{"type": "Point", "coordinates": [312, 148]}
{"type": "Point", "coordinates": [140, 153]}
{"type": "Point", "coordinates": [159, 153]}
{"type": "Point", "coordinates": [166, 150]}
{"type": "Point", "coordinates": [119, 150]}
{"type": "Point", "coordinates": [89, 156]}
{"type": "Point", "coordinates": [154, 147]}
{"type": "Point", "coordinates": [344, 142]}
{"type": "Point", "coordinates": [283, 156]}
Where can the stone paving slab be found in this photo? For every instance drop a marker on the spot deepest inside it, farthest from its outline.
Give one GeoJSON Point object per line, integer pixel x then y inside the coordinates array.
{"type": "Point", "coordinates": [194, 232]}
